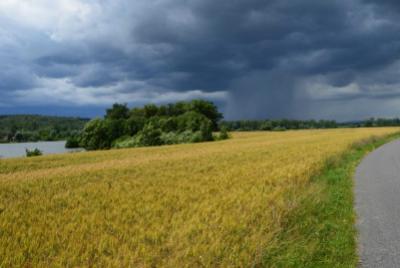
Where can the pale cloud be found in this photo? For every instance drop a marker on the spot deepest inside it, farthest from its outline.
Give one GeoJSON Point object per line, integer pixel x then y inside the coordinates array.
{"type": "Point", "coordinates": [52, 17]}
{"type": "Point", "coordinates": [321, 91]}
{"type": "Point", "coordinates": [63, 92]}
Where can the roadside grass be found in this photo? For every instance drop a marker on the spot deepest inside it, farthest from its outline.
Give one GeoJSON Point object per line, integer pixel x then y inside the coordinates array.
{"type": "Point", "coordinates": [322, 233]}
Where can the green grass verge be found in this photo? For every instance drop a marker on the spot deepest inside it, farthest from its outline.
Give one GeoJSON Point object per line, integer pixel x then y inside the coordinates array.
{"type": "Point", "coordinates": [321, 232]}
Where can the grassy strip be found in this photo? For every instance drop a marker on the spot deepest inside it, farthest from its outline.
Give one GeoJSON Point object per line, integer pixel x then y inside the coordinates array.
{"type": "Point", "coordinates": [321, 232]}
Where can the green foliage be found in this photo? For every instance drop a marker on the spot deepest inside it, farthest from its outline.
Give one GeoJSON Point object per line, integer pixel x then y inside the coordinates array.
{"type": "Point", "coordinates": [208, 109]}
{"type": "Point", "coordinates": [277, 125]}
{"type": "Point", "coordinates": [223, 134]}
{"type": "Point", "coordinates": [192, 121]}
{"type": "Point", "coordinates": [115, 128]}
{"type": "Point", "coordinates": [134, 124]}
{"type": "Point", "coordinates": [117, 111]}
{"type": "Point", "coordinates": [285, 124]}
{"type": "Point", "coordinates": [32, 153]}
{"type": "Point", "coordinates": [267, 125]}
{"type": "Point", "coordinates": [126, 142]}
{"type": "Point", "coordinates": [279, 128]}
{"type": "Point", "coordinates": [150, 135]}
{"type": "Point", "coordinates": [166, 138]}
{"type": "Point", "coordinates": [96, 135]}
{"type": "Point", "coordinates": [25, 128]}
{"type": "Point", "coordinates": [206, 131]}
{"type": "Point", "coordinates": [152, 125]}
{"type": "Point", "coordinates": [378, 122]}
{"type": "Point", "coordinates": [169, 124]}
{"type": "Point", "coordinates": [187, 136]}
{"type": "Point", "coordinates": [72, 142]}
{"type": "Point", "coordinates": [150, 110]}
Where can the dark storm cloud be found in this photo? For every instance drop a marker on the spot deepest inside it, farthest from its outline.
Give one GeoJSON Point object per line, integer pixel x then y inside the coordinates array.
{"type": "Point", "coordinates": [255, 58]}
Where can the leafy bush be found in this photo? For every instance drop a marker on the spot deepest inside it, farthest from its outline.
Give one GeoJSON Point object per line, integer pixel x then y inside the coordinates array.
{"type": "Point", "coordinates": [117, 111]}
{"type": "Point", "coordinates": [95, 135]}
{"type": "Point", "coordinates": [134, 124]}
{"type": "Point", "coordinates": [150, 135]}
{"type": "Point", "coordinates": [266, 126]}
{"type": "Point", "coordinates": [187, 136]}
{"type": "Point", "coordinates": [126, 142]}
{"type": "Point", "coordinates": [206, 131]}
{"type": "Point", "coordinates": [223, 135]}
{"type": "Point", "coordinates": [35, 152]}
{"type": "Point", "coordinates": [192, 121]}
{"type": "Point", "coordinates": [72, 142]}
{"type": "Point", "coordinates": [279, 129]}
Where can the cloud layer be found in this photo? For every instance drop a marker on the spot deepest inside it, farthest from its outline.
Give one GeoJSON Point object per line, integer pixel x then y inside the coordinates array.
{"type": "Point", "coordinates": [279, 58]}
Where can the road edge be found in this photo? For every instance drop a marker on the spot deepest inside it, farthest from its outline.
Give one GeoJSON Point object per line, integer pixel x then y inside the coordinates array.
{"type": "Point", "coordinates": [321, 231]}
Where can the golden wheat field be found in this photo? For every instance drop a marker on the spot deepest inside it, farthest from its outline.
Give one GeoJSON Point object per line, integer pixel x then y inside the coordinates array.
{"type": "Point", "coordinates": [195, 205]}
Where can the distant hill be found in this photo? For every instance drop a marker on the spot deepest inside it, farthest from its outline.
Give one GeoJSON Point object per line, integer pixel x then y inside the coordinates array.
{"type": "Point", "coordinates": [23, 128]}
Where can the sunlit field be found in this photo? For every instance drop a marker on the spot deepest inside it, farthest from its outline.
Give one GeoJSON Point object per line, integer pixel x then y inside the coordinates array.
{"type": "Point", "coordinates": [197, 205]}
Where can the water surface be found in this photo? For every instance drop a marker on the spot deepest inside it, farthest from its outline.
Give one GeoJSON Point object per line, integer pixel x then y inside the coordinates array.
{"type": "Point", "coordinates": [18, 149]}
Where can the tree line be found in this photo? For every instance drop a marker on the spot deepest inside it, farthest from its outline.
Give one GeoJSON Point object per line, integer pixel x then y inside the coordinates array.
{"type": "Point", "coordinates": [277, 125]}
{"type": "Point", "coordinates": [286, 124]}
{"type": "Point", "coordinates": [31, 128]}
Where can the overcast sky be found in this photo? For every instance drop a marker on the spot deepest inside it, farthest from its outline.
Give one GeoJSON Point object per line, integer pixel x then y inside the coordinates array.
{"type": "Point", "coordinates": [254, 58]}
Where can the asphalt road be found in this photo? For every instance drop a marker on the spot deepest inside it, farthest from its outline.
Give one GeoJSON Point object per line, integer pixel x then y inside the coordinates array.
{"type": "Point", "coordinates": [377, 192]}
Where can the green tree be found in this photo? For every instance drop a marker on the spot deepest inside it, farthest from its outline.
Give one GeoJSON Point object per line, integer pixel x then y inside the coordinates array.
{"type": "Point", "coordinates": [72, 142]}
{"type": "Point", "coordinates": [117, 111]}
{"type": "Point", "coordinates": [150, 135]}
{"type": "Point", "coordinates": [169, 124]}
{"type": "Point", "coordinates": [191, 121]}
{"type": "Point", "coordinates": [208, 109]}
{"type": "Point", "coordinates": [150, 110]}
{"type": "Point", "coordinates": [267, 125]}
{"type": "Point", "coordinates": [223, 135]}
{"type": "Point", "coordinates": [206, 129]}
{"type": "Point", "coordinates": [134, 124]}
{"type": "Point", "coordinates": [95, 135]}
{"type": "Point", "coordinates": [18, 137]}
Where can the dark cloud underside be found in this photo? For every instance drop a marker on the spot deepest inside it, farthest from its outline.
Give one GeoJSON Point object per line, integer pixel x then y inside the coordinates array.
{"type": "Point", "coordinates": [299, 59]}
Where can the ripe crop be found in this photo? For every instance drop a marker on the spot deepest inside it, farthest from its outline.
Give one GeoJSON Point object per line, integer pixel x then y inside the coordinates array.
{"type": "Point", "coordinates": [208, 204]}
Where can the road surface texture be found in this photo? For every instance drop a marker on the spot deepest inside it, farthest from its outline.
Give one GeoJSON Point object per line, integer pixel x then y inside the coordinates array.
{"type": "Point", "coordinates": [377, 192]}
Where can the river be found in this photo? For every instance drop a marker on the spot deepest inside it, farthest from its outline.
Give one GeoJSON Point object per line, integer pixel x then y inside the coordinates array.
{"type": "Point", "coordinates": [10, 150]}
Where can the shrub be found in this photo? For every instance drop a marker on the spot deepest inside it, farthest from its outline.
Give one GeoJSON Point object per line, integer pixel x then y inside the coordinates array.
{"type": "Point", "coordinates": [182, 137]}
{"type": "Point", "coordinates": [170, 138]}
{"type": "Point", "coordinates": [72, 142]}
{"type": "Point", "coordinates": [126, 142]}
{"type": "Point", "coordinates": [117, 111]}
{"type": "Point", "coordinates": [134, 124]}
{"type": "Point", "coordinates": [168, 124]}
{"type": "Point", "coordinates": [208, 109]}
{"type": "Point", "coordinates": [100, 134]}
{"type": "Point", "coordinates": [279, 129]}
{"type": "Point", "coordinates": [206, 128]}
{"type": "Point", "coordinates": [223, 135]}
{"type": "Point", "coordinates": [35, 152]}
{"type": "Point", "coordinates": [166, 138]}
{"type": "Point", "coordinates": [150, 135]}
{"type": "Point", "coordinates": [191, 121]}
{"type": "Point", "coordinates": [266, 126]}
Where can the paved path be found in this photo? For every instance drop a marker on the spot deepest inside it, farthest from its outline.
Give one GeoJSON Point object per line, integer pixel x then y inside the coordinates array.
{"type": "Point", "coordinates": [378, 207]}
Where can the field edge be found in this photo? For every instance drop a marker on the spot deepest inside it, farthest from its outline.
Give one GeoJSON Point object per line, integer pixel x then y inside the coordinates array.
{"type": "Point", "coordinates": [322, 232]}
